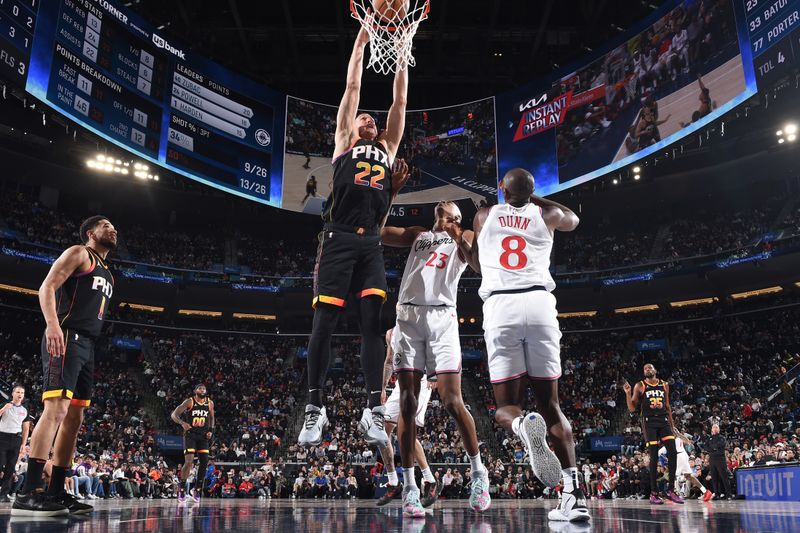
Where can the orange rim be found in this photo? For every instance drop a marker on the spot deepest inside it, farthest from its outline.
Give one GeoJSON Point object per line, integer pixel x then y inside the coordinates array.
{"type": "Point", "coordinates": [391, 28]}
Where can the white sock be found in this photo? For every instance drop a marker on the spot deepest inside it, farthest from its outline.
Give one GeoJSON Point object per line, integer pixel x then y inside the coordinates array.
{"type": "Point", "coordinates": [703, 489]}
{"type": "Point", "coordinates": [392, 478]}
{"type": "Point", "coordinates": [570, 478]}
{"type": "Point", "coordinates": [477, 465]}
{"type": "Point", "coordinates": [427, 476]}
{"type": "Point", "coordinates": [516, 423]}
{"type": "Point", "coordinates": [409, 481]}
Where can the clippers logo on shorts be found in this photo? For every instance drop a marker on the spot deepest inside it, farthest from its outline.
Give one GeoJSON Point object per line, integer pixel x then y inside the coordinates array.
{"type": "Point", "coordinates": [362, 186]}
{"type": "Point", "coordinates": [83, 300]}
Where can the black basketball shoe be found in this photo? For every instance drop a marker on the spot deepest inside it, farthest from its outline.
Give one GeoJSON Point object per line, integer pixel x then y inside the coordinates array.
{"type": "Point", "coordinates": [392, 491]}
{"type": "Point", "coordinates": [430, 493]}
{"type": "Point", "coordinates": [72, 504]}
{"type": "Point", "coordinates": [37, 503]}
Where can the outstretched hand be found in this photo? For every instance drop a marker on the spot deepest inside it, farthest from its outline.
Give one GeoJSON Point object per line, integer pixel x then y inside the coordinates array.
{"type": "Point", "coordinates": [454, 230]}
{"type": "Point", "coordinates": [626, 387]}
{"type": "Point", "coordinates": [399, 174]}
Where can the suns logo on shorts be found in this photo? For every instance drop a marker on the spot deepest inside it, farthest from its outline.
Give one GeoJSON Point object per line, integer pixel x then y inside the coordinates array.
{"type": "Point", "coordinates": [398, 357]}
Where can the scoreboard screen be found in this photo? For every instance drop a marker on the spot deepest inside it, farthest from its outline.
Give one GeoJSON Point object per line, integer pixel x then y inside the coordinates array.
{"type": "Point", "coordinates": [773, 30]}
{"type": "Point", "coordinates": [17, 25]}
{"type": "Point", "coordinates": [111, 71]}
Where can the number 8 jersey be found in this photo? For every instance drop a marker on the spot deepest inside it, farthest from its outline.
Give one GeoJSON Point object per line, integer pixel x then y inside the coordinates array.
{"type": "Point", "coordinates": [514, 250]}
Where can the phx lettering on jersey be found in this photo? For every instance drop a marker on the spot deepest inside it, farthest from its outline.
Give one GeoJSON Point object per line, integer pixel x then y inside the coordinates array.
{"type": "Point", "coordinates": [371, 152]}
{"type": "Point", "coordinates": [654, 394]}
{"type": "Point", "coordinates": [100, 283]}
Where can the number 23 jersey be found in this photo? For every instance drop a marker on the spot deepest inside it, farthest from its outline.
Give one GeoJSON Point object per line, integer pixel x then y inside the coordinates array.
{"type": "Point", "coordinates": [514, 249]}
{"type": "Point", "coordinates": [433, 268]}
{"type": "Point", "coordinates": [362, 186]}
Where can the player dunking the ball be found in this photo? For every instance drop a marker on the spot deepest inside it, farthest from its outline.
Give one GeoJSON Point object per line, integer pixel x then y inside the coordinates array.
{"type": "Point", "coordinates": [426, 341]}
{"type": "Point", "coordinates": [197, 432]}
{"type": "Point", "coordinates": [651, 395]}
{"type": "Point", "coordinates": [511, 250]}
{"type": "Point", "coordinates": [75, 298]}
{"type": "Point", "coordinates": [366, 179]}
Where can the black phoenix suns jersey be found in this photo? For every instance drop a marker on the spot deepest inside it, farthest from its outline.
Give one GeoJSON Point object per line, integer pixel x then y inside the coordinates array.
{"type": "Point", "coordinates": [362, 187]}
{"type": "Point", "coordinates": [654, 400]}
{"type": "Point", "coordinates": [199, 415]}
{"type": "Point", "coordinates": [82, 302]}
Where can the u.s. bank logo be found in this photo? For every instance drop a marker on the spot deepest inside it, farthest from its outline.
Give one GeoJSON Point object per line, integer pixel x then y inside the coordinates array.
{"type": "Point", "coordinates": [262, 137]}
{"type": "Point", "coordinates": [163, 44]}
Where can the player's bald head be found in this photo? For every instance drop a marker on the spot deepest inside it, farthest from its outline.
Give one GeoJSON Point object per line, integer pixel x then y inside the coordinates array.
{"type": "Point", "coordinates": [518, 185]}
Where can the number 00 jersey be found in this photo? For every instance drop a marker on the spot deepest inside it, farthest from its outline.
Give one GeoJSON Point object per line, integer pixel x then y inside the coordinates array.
{"type": "Point", "coordinates": [654, 400]}
{"type": "Point", "coordinates": [433, 268]}
{"type": "Point", "coordinates": [82, 302]}
{"type": "Point", "coordinates": [514, 250]}
{"type": "Point", "coordinates": [198, 415]}
{"type": "Point", "coordinates": [362, 187]}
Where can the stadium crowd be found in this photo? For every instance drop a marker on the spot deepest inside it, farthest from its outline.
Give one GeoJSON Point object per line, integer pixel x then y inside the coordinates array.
{"type": "Point", "coordinates": [720, 370]}
{"type": "Point", "coordinates": [620, 242]}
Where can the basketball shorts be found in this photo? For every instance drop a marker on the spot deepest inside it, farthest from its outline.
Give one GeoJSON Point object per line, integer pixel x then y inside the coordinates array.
{"type": "Point", "coordinates": [347, 264]}
{"type": "Point", "coordinates": [656, 431]}
{"type": "Point", "coordinates": [683, 467]}
{"type": "Point", "coordinates": [195, 442]}
{"type": "Point", "coordinates": [72, 374]}
{"type": "Point", "coordinates": [522, 336]}
{"type": "Point", "coordinates": [393, 404]}
{"type": "Point", "coordinates": [425, 340]}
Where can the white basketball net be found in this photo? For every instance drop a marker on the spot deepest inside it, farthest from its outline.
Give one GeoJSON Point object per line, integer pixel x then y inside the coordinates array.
{"type": "Point", "coordinates": [390, 33]}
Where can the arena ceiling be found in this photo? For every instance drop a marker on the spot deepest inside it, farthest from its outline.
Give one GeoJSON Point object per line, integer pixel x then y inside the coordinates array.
{"type": "Point", "coordinates": [466, 50]}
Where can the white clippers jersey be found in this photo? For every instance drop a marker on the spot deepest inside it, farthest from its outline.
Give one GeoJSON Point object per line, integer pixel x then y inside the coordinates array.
{"type": "Point", "coordinates": [432, 271]}
{"type": "Point", "coordinates": [514, 249]}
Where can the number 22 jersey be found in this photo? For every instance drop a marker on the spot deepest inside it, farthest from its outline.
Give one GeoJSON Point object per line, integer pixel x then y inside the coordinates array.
{"type": "Point", "coordinates": [514, 249]}
{"type": "Point", "coordinates": [362, 186]}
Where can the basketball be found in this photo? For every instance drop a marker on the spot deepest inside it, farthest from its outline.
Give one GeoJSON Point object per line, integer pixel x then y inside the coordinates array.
{"type": "Point", "coordinates": [391, 10]}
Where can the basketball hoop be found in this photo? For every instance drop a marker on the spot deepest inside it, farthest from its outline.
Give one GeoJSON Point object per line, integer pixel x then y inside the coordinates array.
{"type": "Point", "coordinates": [390, 34]}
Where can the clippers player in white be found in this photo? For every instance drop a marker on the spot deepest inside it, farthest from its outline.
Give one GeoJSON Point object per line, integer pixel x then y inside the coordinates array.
{"type": "Point", "coordinates": [511, 250]}
{"type": "Point", "coordinates": [430, 487]}
{"type": "Point", "coordinates": [684, 469]}
{"type": "Point", "coordinates": [426, 340]}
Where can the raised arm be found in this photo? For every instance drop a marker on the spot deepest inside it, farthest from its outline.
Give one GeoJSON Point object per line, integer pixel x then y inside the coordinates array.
{"type": "Point", "coordinates": [352, 95]}
{"type": "Point", "coordinates": [73, 259]}
{"type": "Point", "coordinates": [176, 414]}
{"type": "Point", "coordinates": [632, 397]}
{"type": "Point", "coordinates": [396, 120]}
{"type": "Point", "coordinates": [464, 240]}
{"type": "Point", "coordinates": [556, 216]}
{"type": "Point", "coordinates": [473, 260]}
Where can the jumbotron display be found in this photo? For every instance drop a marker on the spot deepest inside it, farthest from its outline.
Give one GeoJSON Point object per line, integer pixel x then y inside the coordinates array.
{"type": "Point", "coordinates": [111, 71]}
{"type": "Point", "coordinates": [106, 68]}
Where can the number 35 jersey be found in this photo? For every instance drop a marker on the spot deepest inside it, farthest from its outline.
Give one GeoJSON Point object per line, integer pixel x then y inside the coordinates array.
{"type": "Point", "coordinates": [433, 268]}
{"type": "Point", "coordinates": [514, 250]}
{"type": "Point", "coordinates": [362, 186]}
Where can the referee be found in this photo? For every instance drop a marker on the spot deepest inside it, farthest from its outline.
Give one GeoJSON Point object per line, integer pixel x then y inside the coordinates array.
{"type": "Point", "coordinates": [14, 428]}
{"type": "Point", "coordinates": [718, 462]}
